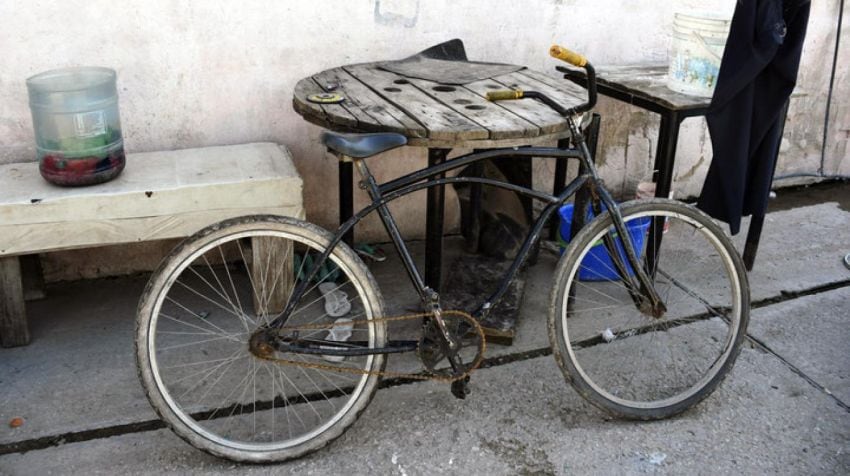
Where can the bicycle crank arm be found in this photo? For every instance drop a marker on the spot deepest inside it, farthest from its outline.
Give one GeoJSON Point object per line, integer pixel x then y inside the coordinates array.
{"type": "Point", "coordinates": [346, 349]}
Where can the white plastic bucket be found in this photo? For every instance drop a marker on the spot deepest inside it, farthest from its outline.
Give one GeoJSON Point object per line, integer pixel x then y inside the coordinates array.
{"type": "Point", "coordinates": [695, 53]}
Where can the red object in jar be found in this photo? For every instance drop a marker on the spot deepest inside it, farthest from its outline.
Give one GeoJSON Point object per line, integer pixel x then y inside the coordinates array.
{"type": "Point", "coordinates": [78, 171]}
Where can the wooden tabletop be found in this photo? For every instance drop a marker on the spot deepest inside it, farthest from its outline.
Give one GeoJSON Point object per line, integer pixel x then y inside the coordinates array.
{"type": "Point", "coordinates": [431, 114]}
{"type": "Point", "coordinates": [647, 82]}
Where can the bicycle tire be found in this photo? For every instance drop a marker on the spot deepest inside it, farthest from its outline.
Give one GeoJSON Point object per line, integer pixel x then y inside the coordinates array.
{"type": "Point", "coordinates": [214, 432]}
{"type": "Point", "coordinates": [597, 342]}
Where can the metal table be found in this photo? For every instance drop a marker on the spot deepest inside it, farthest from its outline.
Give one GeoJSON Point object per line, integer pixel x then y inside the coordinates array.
{"type": "Point", "coordinates": [437, 116]}
{"type": "Point", "coordinates": [645, 86]}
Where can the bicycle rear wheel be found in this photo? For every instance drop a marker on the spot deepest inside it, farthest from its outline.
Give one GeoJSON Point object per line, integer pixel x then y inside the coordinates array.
{"type": "Point", "coordinates": [202, 305]}
{"type": "Point", "coordinates": [633, 365]}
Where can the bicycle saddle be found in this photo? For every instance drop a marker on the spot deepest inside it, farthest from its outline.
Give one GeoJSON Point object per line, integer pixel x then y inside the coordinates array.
{"type": "Point", "coordinates": [362, 145]}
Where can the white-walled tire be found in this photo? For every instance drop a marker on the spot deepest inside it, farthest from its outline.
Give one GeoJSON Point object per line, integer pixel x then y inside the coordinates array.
{"type": "Point", "coordinates": [198, 311]}
{"type": "Point", "coordinates": [632, 365]}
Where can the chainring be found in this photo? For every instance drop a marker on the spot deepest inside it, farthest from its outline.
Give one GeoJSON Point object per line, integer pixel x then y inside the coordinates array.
{"type": "Point", "coordinates": [463, 328]}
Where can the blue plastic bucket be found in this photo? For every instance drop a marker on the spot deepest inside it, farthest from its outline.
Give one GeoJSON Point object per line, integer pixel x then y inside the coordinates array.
{"type": "Point", "coordinates": [597, 264]}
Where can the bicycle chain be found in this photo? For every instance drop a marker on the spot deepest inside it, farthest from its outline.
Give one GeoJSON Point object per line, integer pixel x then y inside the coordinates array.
{"type": "Point", "coordinates": [479, 357]}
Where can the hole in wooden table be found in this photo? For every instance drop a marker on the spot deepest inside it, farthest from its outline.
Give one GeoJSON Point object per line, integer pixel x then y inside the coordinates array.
{"type": "Point", "coordinates": [494, 86]}
{"type": "Point", "coordinates": [462, 101]}
{"type": "Point", "coordinates": [475, 107]}
{"type": "Point", "coordinates": [444, 89]}
{"type": "Point", "coordinates": [401, 81]}
{"type": "Point", "coordinates": [392, 90]}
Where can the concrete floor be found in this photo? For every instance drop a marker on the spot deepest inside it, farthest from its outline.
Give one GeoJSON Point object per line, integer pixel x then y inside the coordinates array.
{"type": "Point", "coordinates": [785, 407]}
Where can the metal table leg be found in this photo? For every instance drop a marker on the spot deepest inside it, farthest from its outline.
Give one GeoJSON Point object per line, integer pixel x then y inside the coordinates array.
{"type": "Point", "coordinates": [757, 222]}
{"type": "Point", "coordinates": [752, 242]}
{"type": "Point", "coordinates": [668, 138]}
{"type": "Point", "coordinates": [346, 197]}
{"type": "Point", "coordinates": [473, 224]}
{"type": "Point", "coordinates": [434, 224]}
{"type": "Point", "coordinates": [558, 186]}
{"type": "Point", "coordinates": [665, 156]}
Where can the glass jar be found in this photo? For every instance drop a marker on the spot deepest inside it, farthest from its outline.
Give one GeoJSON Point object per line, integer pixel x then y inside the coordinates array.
{"type": "Point", "coordinates": [77, 126]}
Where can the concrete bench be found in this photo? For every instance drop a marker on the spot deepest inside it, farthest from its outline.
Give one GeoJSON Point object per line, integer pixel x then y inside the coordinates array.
{"type": "Point", "coordinates": [159, 195]}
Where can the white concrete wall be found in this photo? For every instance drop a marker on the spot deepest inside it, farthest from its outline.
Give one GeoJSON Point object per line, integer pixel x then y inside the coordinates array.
{"type": "Point", "coordinates": [221, 72]}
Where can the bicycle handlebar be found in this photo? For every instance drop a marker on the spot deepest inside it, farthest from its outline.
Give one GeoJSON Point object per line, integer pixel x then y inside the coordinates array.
{"type": "Point", "coordinates": [504, 95]}
{"type": "Point", "coordinates": [570, 57]}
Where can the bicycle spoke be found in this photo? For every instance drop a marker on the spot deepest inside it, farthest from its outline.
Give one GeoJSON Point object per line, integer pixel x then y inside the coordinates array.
{"type": "Point", "coordinates": [206, 369]}
{"type": "Point", "coordinates": [221, 332]}
{"type": "Point", "coordinates": [230, 278]}
{"type": "Point", "coordinates": [240, 317]}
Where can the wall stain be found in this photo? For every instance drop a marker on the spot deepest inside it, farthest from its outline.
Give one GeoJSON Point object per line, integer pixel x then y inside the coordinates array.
{"type": "Point", "coordinates": [396, 19]}
{"type": "Point", "coordinates": [691, 171]}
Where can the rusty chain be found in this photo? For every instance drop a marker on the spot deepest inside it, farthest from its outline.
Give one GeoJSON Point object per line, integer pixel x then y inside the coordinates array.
{"type": "Point", "coordinates": [479, 357]}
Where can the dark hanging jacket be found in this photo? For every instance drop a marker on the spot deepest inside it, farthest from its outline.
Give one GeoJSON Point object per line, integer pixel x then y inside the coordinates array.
{"type": "Point", "coordinates": [757, 74]}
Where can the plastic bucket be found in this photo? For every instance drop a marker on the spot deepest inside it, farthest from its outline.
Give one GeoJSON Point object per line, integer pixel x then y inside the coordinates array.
{"type": "Point", "coordinates": [695, 53]}
{"type": "Point", "coordinates": [77, 126]}
{"type": "Point", "coordinates": [597, 264]}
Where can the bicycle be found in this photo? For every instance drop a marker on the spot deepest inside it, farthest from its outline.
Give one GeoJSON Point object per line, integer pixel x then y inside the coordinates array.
{"type": "Point", "coordinates": [240, 356]}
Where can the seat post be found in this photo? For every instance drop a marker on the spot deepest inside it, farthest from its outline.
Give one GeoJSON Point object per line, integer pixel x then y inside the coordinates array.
{"type": "Point", "coordinates": [368, 180]}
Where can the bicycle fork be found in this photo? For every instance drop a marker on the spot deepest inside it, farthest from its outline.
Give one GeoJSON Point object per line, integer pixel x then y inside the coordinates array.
{"type": "Point", "coordinates": [638, 284]}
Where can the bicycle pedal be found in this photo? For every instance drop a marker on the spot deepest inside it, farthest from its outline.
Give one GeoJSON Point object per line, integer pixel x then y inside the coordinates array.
{"type": "Point", "coordinates": [460, 388]}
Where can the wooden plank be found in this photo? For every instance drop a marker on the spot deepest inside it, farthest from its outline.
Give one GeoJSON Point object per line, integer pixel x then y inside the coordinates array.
{"type": "Point", "coordinates": [371, 110]}
{"type": "Point", "coordinates": [442, 122]}
{"type": "Point", "coordinates": [543, 117]}
{"type": "Point", "coordinates": [500, 122]}
{"type": "Point", "coordinates": [273, 279]}
{"type": "Point", "coordinates": [310, 111]}
{"type": "Point", "coordinates": [559, 83]}
{"type": "Point", "coordinates": [446, 71]}
{"type": "Point", "coordinates": [38, 237]}
{"type": "Point", "coordinates": [546, 140]}
{"type": "Point", "coordinates": [14, 330]}
{"type": "Point", "coordinates": [522, 81]}
{"type": "Point", "coordinates": [331, 113]}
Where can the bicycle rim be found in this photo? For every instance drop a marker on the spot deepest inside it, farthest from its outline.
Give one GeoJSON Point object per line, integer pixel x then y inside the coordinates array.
{"type": "Point", "coordinates": [634, 365]}
{"type": "Point", "coordinates": [202, 308]}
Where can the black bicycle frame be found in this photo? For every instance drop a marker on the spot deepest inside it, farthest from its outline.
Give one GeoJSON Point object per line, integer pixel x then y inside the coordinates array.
{"type": "Point", "coordinates": [383, 194]}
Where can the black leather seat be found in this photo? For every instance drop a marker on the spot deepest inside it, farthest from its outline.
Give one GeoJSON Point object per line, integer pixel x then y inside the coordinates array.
{"type": "Point", "coordinates": [362, 145]}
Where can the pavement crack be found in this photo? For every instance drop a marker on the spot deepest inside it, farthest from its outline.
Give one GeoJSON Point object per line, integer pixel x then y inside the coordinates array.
{"type": "Point", "coordinates": [759, 344]}
{"type": "Point", "coordinates": [79, 436]}
{"type": "Point", "coordinates": [785, 296]}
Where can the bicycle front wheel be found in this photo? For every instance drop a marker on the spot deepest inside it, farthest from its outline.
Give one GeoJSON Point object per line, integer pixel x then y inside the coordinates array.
{"type": "Point", "coordinates": [634, 365]}
{"type": "Point", "coordinates": [199, 311]}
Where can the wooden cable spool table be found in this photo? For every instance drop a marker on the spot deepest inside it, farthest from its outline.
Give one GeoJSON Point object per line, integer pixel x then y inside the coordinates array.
{"type": "Point", "coordinates": [438, 116]}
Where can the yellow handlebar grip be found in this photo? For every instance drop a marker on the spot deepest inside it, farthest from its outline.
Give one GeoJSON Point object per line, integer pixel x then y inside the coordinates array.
{"type": "Point", "coordinates": [504, 95]}
{"type": "Point", "coordinates": [570, 57]}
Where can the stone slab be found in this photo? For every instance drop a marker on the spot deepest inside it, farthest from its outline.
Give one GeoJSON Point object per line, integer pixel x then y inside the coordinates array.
{"type": "Point", "coordinates": [813, 334]}
{"type": "Point", "coordinates": [159, 195]}
{"type": "Point", "coordinates": [800, 248]}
